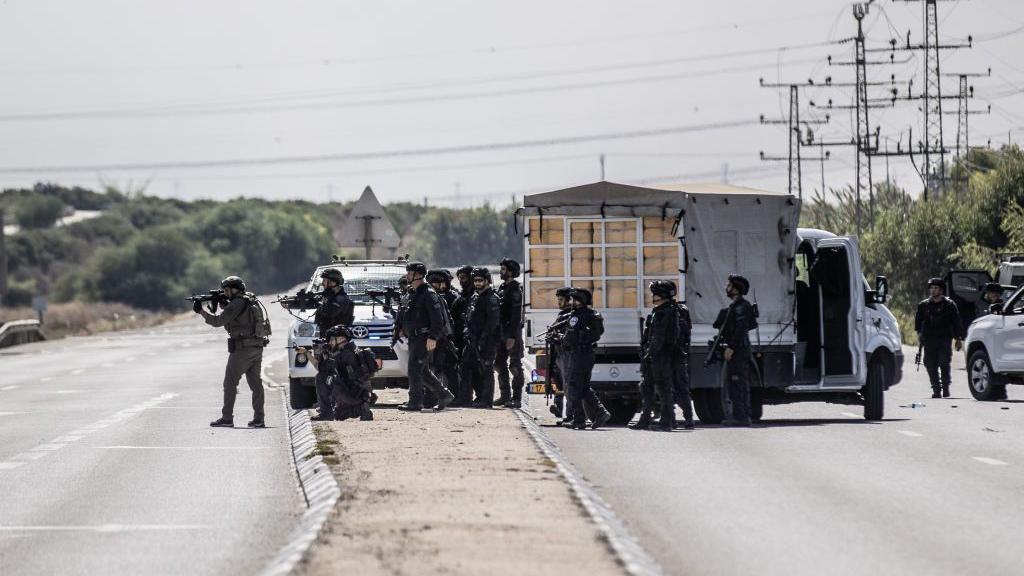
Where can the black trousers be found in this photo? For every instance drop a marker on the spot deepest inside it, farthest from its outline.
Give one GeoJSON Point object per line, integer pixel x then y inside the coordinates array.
{"type": "Point", "coordinates": [681, 383]}
{"type": "Point", "coordinates": [509, 364]}
{"type": "Point", "coordinates": [324, 395]}
{"type": "Point", "coordinates": [660, 376]}
{"type": "Point", "coordinates": [420, 374]}
{"type": "Point", "coordinates": [737, 377]}
{"type": "Point", "coordinates": [938, 353]}
{"type": "Point", "coordinates": [476, 374]}
{"type": "Point", "coordinates": [581, 365]}
{"type": "Point", "coordinates": [592, 405]}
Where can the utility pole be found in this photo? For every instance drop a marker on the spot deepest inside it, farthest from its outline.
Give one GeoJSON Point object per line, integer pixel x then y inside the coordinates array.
{"type": "Point", "coordinates": [793, 123]}
{"type": "Point", "coordinates": [3, 259]}
{"type": "Point", "coordinates": [601, 160]}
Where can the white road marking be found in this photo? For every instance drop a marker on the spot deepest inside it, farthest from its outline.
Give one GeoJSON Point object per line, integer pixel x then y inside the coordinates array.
{"type": "Point", "coordinates": [11, 413]}
{"type": "Point", "coordinates": [9, 465]}
{"type": "Point", "coordinates": [182, 447]}
{"type": "Point", "coordinates": [30, 455]}
{"type": "Point", "coordinates": [107, 365]}
{"type": "Point", "coordinates": [48, 447]}
{"type": "Point", "coordinates": [46, 378]}
{"type": "Point", "coordinates": [9, 388]}
{"type": "Point", "coordinates": [989, 461]}
{"type": "Point", "coordinates": [104, 528]}
{"type": "Point", "coordinates": [129, 359]}
{"type": "Point", "coordinates": [910, 433]}
{"type": "Point", "coordinates": [64, 392]}
{"type": "Point", "coordinates": [77, 371]}
{"type": "Point", "coordinates": [850, 415]}
{"type": "Point", "coordinates": [68, 438]}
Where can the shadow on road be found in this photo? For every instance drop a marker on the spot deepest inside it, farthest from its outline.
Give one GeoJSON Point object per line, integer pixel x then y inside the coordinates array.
{"type": "Point", "coordinates": [792, 422]}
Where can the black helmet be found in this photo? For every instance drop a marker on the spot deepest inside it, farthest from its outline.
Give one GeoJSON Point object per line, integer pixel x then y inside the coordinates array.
{"type": "Point", "coordinates": [740, 283]}
{"type": "Point", "coordinates": [664, 288]}
{"type": "Point", "coordinates": [994, 287]}
{"type": "Point", "coordinates": [439, 275]}
{"type": "Point", "coordinates": [937, 282]}
{"type": "Point", "coordinates": [333, 274]}
{"type": "Point", "coordinates": [564, 292]}
{"type": "Point", "coordinates": [339, 331]}
{"type": "Point", "coordinates": [233, 282]}
{"type": "Point", "coordinates": [582, 295]}
{"type": "Point", "coordinates": [416, 268]}
{"type": "Point", "coordinates": [512, 266]}
{"type": "Point", "coordinates": [467, 270]}
{"type": "Point", "coordinates": [480, 272]}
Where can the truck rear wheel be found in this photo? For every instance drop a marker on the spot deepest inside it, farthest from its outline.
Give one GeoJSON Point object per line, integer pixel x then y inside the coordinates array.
{"type": "Point", "coordinates": [708, 404]}
{"type": "Point", "coordinates": [874, 391]}
{"type": "Point", "coordinates": [300, 396]}
{"type": "Point", "coordinates": [984, 383]}
{"type": "Point", "coordinates": [622, 410]}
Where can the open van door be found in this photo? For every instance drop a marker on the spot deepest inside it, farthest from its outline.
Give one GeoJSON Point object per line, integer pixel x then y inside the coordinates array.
{"type": "Point", "coordinates": [836, 270]}
{"type": "Point", "coordinates": [966, 289]}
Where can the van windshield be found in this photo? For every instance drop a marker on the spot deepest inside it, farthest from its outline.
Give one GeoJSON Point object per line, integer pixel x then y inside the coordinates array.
{"type": "Point", "coordinates": [358, 279]}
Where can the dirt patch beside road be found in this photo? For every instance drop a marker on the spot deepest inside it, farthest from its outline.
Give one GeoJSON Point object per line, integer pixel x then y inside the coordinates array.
{"type": "Point", "coordinates": [458, 492]}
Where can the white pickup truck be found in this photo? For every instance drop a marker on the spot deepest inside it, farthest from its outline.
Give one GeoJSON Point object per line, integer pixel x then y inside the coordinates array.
{"type": "Point", "coordinates": [373, 327]}
{"type": "Point", "coordinates": [994, 350]}
{"type": "Point", "coordinates": [825, 335]}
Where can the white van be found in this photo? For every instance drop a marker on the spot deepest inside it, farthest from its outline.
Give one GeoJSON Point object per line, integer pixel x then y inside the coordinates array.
{"type": "Point", "coordinates": [824, 334]}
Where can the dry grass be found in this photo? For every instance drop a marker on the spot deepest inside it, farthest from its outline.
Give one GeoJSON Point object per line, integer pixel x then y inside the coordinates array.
{"type": "Point", "coordinates": [84, 318]}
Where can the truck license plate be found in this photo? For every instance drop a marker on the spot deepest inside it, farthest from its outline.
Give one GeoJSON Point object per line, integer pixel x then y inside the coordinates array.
{"type": "Point", "coordinates": [536, 388]}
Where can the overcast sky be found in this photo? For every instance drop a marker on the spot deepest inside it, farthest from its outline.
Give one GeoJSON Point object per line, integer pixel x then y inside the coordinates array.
{"type": "Point", "coordinates": [455, 101]}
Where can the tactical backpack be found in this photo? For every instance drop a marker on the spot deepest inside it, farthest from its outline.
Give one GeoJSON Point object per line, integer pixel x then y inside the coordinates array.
{"type": "Point", "coordinates": [260, 316]}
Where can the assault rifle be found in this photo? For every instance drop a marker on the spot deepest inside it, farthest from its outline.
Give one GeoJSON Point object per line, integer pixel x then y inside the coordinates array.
{"type": "Point", "coordinates": [303, 300]}
{"type": "Point", "coordinates": [716, 348]}
{"type": "Point", "coordinates": [557, 326]}
{"type": "Point", "coordinates": [917, 357]}
{"type": "Point", "coordinates": [389, 294]}
{"type": "Point", "coordinates": [214, 297]}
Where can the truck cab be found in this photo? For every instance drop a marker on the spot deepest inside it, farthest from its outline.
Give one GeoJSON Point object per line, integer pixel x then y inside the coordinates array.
{"type": "Point", "coordinates": [372, 327]}
{"type": "Point", "coordinates": [824, 333]}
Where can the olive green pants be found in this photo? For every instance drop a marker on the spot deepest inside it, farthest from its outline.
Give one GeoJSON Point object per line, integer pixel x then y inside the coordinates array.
{"type": "Point", "coordinates": [246, 361]}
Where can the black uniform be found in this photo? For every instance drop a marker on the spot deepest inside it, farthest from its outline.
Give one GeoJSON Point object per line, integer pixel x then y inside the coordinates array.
{"type": "Point", "coordinates": [510, 360]}
{"type": "Point", "coordinates": [335, 309]}
{"type": "Point", "coordinates": [584, 331]}
{"type": "Point", "coordinates": [350, 382]}
{"type": "Point", "coordinates": [423, 320]}
{"type": "Point", "coordinates": [738, 321]}
{"type": "Point", "coordinates": [660, 343]}
{"type": "Point", "coordinates": [682, 375]}
{"type": "Point", "coordinates": [447, 361]}
{"type": "Point", "coordinates": [478, 354]}
{"type": "Point", "coordinates": [937, 324]}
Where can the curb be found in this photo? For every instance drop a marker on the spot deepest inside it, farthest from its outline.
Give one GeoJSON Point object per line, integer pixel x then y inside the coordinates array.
{"type": "Point", "coordinates": [624, 547]}
{"type": "Point", "coordinates": [319, 489]}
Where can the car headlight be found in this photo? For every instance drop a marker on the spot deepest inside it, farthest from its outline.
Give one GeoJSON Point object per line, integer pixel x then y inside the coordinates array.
{"type": "Point", "coordinates": [305, 330]}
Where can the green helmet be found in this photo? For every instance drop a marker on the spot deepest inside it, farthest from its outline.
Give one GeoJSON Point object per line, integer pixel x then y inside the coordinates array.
{"type": "Point", "coordinates": [333, 274]}
{"type": "Point", "coordinates": [233, 282]}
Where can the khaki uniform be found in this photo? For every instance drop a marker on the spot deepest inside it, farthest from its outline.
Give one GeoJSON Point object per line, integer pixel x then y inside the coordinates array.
{"type": "Point", "coordinates": [245, 354]}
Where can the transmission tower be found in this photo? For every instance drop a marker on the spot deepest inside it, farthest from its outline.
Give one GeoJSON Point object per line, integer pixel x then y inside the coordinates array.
{"type": "Point", "coordinates": [794, 129]}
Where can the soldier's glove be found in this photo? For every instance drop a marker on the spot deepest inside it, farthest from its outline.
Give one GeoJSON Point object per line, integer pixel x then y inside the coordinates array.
{"type": "Point", "coordinates": [197, 307]}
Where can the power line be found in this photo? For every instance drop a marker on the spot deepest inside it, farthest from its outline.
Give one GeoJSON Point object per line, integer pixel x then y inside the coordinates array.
{"type": "Point", "coordinates": [406, 153]}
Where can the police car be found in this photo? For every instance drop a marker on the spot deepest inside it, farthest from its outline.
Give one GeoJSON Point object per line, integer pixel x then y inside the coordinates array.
{"type": "Point", "coordinates": [366, 282]}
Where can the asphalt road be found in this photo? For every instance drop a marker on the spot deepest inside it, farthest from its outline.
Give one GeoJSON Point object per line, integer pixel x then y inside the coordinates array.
{"type": "Point", "coordinates": [816, 489]}
{"type": "Point", "coordinates": [108, 464]}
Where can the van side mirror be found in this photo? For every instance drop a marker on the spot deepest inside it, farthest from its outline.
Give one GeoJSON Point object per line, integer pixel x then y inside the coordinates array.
{"type": "Point", "coordinates": [881, 289]}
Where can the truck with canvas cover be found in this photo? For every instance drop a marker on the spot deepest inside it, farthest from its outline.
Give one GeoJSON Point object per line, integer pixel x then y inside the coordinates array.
{"type": "Point", "coordinates": [824, 334]}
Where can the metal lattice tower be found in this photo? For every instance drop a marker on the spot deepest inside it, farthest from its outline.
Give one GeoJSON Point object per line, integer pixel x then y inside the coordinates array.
{"type": "Point", "coordinates": [933, 137]}
{"type": "Point", "coordinates": [863, 136]}
{"type": "Point", "coordinates": [962, 143]}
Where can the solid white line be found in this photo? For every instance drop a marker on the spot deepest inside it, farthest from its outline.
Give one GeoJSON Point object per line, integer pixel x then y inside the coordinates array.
{"type": "Point", "coordinates": [11, 413]}
{"type": "Point", "coordinates": [850, 414]}
{"type": "Point", "coordinates": [989, 461]}
{"type": "Point", "coordinates": [104, 528]}
{"type": "Point", "coordinates": [49, 447]}
{"type": "Point", "coordinates": [9, 388]}
{"type": "Point", "coordinates": [9, 465]}
{"type": "Point", "coordinates": [78, 371]}
{"type": "Point", "coordinates": [64, 392]}
{"type": "Point", "coordinates": [910, 433]}
{"type": "Point", "coordinates": [182, 447]}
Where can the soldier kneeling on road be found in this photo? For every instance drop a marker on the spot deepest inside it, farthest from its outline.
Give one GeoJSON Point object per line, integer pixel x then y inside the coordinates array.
{"type": "Point", "coordinates": [348, 370]}
{"type": "Point", "coordinates": [245, 321]}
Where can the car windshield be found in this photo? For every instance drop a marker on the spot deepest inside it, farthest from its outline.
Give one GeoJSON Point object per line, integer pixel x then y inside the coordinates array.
{"type": "Point", "coordinates": [358, 279]}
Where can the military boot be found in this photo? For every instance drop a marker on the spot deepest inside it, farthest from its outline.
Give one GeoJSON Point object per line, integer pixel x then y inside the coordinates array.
{"type": "Point", "coordinates": [936, 393]}
{"type": "Point", "coordinates": [945, 391]}
{"type": "Point", "coordinates": [642, 423]}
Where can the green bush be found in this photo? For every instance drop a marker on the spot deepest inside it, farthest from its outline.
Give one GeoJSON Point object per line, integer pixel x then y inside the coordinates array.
{"type": "Point", "coordinates": [19, 294]}
{"type": "Point", "coordinates": [38, 212]}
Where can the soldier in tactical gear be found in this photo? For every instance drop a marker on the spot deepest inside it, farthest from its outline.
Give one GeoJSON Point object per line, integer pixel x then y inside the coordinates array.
{"type": "Point", "coordinates": [457, 310]}
{"type": "Point", "coordinates": [593, 409]}
{"type": "Point", "coordinates": [245, 349]}
{"type": "Point", "coordinates": [660, 344]}
{"type": "Point", "coordinates": [938, 325]}
{"type": "Point", "coordinates": [682, 376]}
{"type": "Point", "coordinates": [335, 309]}
{"type": "Point", "coordinates": [556, 363]}
{"type": "Point", "coordinates": [993, 294]}
{"type": "Point", "coordinates": [424, 324]}
{"type": "Point", "coordinates": [480, 338]}
{"type": "Point", "coordinates": [508, 356]}
{"type": "Point", "coordinates": [348, 374]}
{"type": "Point", "coordinates": [584, 331]}
{"type": "Point", "coordinates": [738, 319]}
{"type": "Point", "coordinates": [446, 357]}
